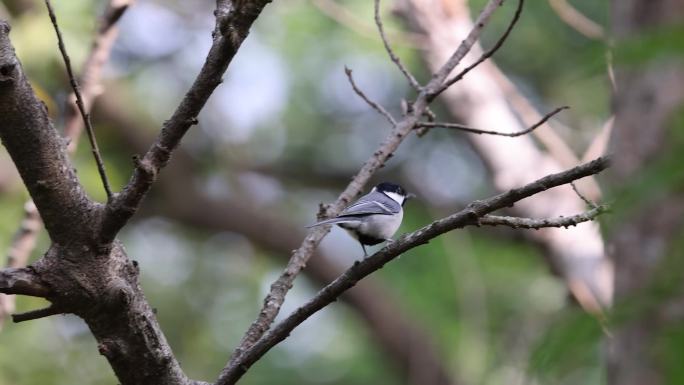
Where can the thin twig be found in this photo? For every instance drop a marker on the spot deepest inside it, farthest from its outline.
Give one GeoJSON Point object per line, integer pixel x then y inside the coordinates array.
{"type": "Point", "coordinates": [79, 102]}
{"type": "Point", "coordinates": [530, 223]}
{"type": "Point", "coordinates": [462, 127]}
{"type": "Point", "coordinates": [23, 243]}
{"type": "Point", "coordinates": [365, 98]}
{"type": "Point", "coordinates": [582, 197]}
{"type": "Point", "coordinates": [89, 79]}
{"type": "Point", "coordinates": [36, 314]}
{"type": "Point", "coordinates": [346, 18]}
{"type": "Point", "coordinates": [576, 20]}
{"type": "Point", "coordinates": [487, 54]}
{"type": "Point", "coordinates": [436, 84]}
{"type": "Point", "coordinates": [276, 296]}
{"type": "Point", "coordinates": [395, 59]}
{"type": "Point", "coordinates": [468, 216]}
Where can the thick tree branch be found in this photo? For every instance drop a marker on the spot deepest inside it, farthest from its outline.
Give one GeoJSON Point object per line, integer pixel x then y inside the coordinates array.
{"type": "Point", "coordinates": [529, 223]}
{"type": "Point", "coordinates": [276, 296]}
{"type": "Point", "coordinates": [22, 281]}
{"type": "Point", "coordinates": [39, 153]}
{"type": "Point", "coordinates": [468, 216]}
{"type": "Point", "coordinates": [233, 20]}
{"type": "Point", "coordinates": [25, 238]}
{"type": "Point", "coordinates": [398, 333]}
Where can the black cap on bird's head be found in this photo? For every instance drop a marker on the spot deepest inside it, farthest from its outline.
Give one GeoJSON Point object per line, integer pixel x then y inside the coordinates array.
{"type": "Point", "coordinates": [389, 189]}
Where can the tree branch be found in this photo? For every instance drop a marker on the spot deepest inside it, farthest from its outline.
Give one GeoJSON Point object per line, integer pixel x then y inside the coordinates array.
{"type": "Point", "coordinates": [22, 245]}
{"type": "Point", "coordinates": [39, 154]}
{"type": "Point", "coordinates": [468, 216]}
{"type": "Point", "coordinates": [529, 223]}
{"type": "Point", "coordinates": [79, 102]}
{"type": "Point", "coordinates": [487, 54]}
{"type": "Point", "coordinates": [465, 128]}
{"type": "Point", "coordinates": [25, 238]}
{"type": "Point", "coordinates": [36, 314]}
{"type": "Point", "coordinates": [276, 296]}
{"type": "Point", "coordinates": [92, 69]}
{"type": "Point", "coordinates": [22, 281]}
{"type": "Point", "coordinates": [395, 59]}
{"type": "Point", "coordinates": [380, 109]}
{"type": "Point", "coordinates": [233, 20]}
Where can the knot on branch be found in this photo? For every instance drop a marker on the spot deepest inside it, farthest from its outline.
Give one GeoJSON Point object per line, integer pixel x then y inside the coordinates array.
{"type": "Point", "coordinates": [110, 348]}
{"type": "Point", "coordinates": [145, 167]}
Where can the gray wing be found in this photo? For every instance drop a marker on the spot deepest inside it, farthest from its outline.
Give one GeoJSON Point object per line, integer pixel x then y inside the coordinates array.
{"type": "Point", "coordinates": [371, 203]}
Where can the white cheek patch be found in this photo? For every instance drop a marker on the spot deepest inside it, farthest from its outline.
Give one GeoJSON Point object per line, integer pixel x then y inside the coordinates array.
{"type": "Point", "coordinates": [396, 197]}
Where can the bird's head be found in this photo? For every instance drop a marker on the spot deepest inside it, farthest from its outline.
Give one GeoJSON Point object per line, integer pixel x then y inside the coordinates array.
{"type": "Point", "coordinates": [394, 191]}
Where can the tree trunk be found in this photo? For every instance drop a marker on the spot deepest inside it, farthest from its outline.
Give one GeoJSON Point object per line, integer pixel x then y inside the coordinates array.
{"type": "Point", "coordinates": [645, 102]}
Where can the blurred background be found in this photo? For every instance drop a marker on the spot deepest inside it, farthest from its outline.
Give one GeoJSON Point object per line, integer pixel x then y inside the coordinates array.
{"type": "Point", "coordinates": [285, 132]}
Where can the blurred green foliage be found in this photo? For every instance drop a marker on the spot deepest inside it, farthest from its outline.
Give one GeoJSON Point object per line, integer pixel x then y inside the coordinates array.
{"type": "Point", "coordinates": [488, 300]}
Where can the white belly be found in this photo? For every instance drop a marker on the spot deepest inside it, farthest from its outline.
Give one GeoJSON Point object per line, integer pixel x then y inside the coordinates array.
{"type": "Point", "coordinates": [379, 226]}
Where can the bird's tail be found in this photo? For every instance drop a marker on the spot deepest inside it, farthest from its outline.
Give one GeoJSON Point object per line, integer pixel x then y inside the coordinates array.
{"type": "Point", "coordinates": [332, 221]}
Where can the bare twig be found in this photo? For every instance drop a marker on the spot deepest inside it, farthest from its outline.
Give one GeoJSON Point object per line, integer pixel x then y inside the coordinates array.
{"type": "Point", "coordinates": [346, 18]}
{"type": "Point", "coordinates": [530, 223]}
{"type": "Point", "coordinates": [366, 99]}
{"type": "Point", "coordinates": [582, 197]}
{"type": "Point", "coordinates": [36, 314]}
{"type": "Point", "coordinates": [395, 59]}
{"type": "Point", "coordinates": [276, 296]}
{"type": "Point", "coordinates": [22, 245]}
{"type": "Point", "coordinates": [577, 20]}
{"type": "Point", "coordinates": [487, 54]}
{"type": "Point", "coordinates": [92, 69]}
{"type": "Point", "coordinates": [487, 132]}
{"type": "Point", "coordinates": [79, 102]}
{"type": "Point", "coordinates": [468, 216]}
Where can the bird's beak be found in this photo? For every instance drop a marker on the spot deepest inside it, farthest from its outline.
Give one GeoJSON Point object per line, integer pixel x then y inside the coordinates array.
{"type": "Point", "coordinates": [410, 196]}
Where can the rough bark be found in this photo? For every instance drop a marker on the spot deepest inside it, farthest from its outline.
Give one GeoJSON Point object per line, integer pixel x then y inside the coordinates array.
{"type": "Point", "coordinates": [96, 282]}
{"type": "Point", "coordinates": [645, 103]}
{"type": "Point", "coordinates": [86, 271]}
{"type": "Point", "coordinates": [398, 334]}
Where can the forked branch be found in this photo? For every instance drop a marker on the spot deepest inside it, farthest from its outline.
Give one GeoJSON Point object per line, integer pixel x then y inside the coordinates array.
{"type": "Point", "coordinates": [233, 21]}
{"type": "Point", "coordinates": [471, 215]}
{"type": "Point", "coordinates": [276, 296]}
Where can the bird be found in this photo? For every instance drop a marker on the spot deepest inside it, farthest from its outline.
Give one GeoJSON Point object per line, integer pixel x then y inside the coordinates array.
{"type": "Point", "coordinates": [373, 218]}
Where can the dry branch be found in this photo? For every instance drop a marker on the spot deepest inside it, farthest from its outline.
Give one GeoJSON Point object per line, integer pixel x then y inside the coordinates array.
{"type": "Point", "coordinates": [468, 216]}
{"type": "Point", "coordinates": [22, 281]}
{"type": "Point", "coordinates": [478, 131]}
{"type": "Point", "coordinates": [25, 238]}
{"type": "Point", "coordinates": [380, 109]}
{"type": "Point", "coordinates": [233, 20]}
{"type": "Point", "coordinates": [276, 296]}
{"type": "Point", "coordinates": [529, 223]}
{"type": "Point", "coordinates": [79, 102]}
